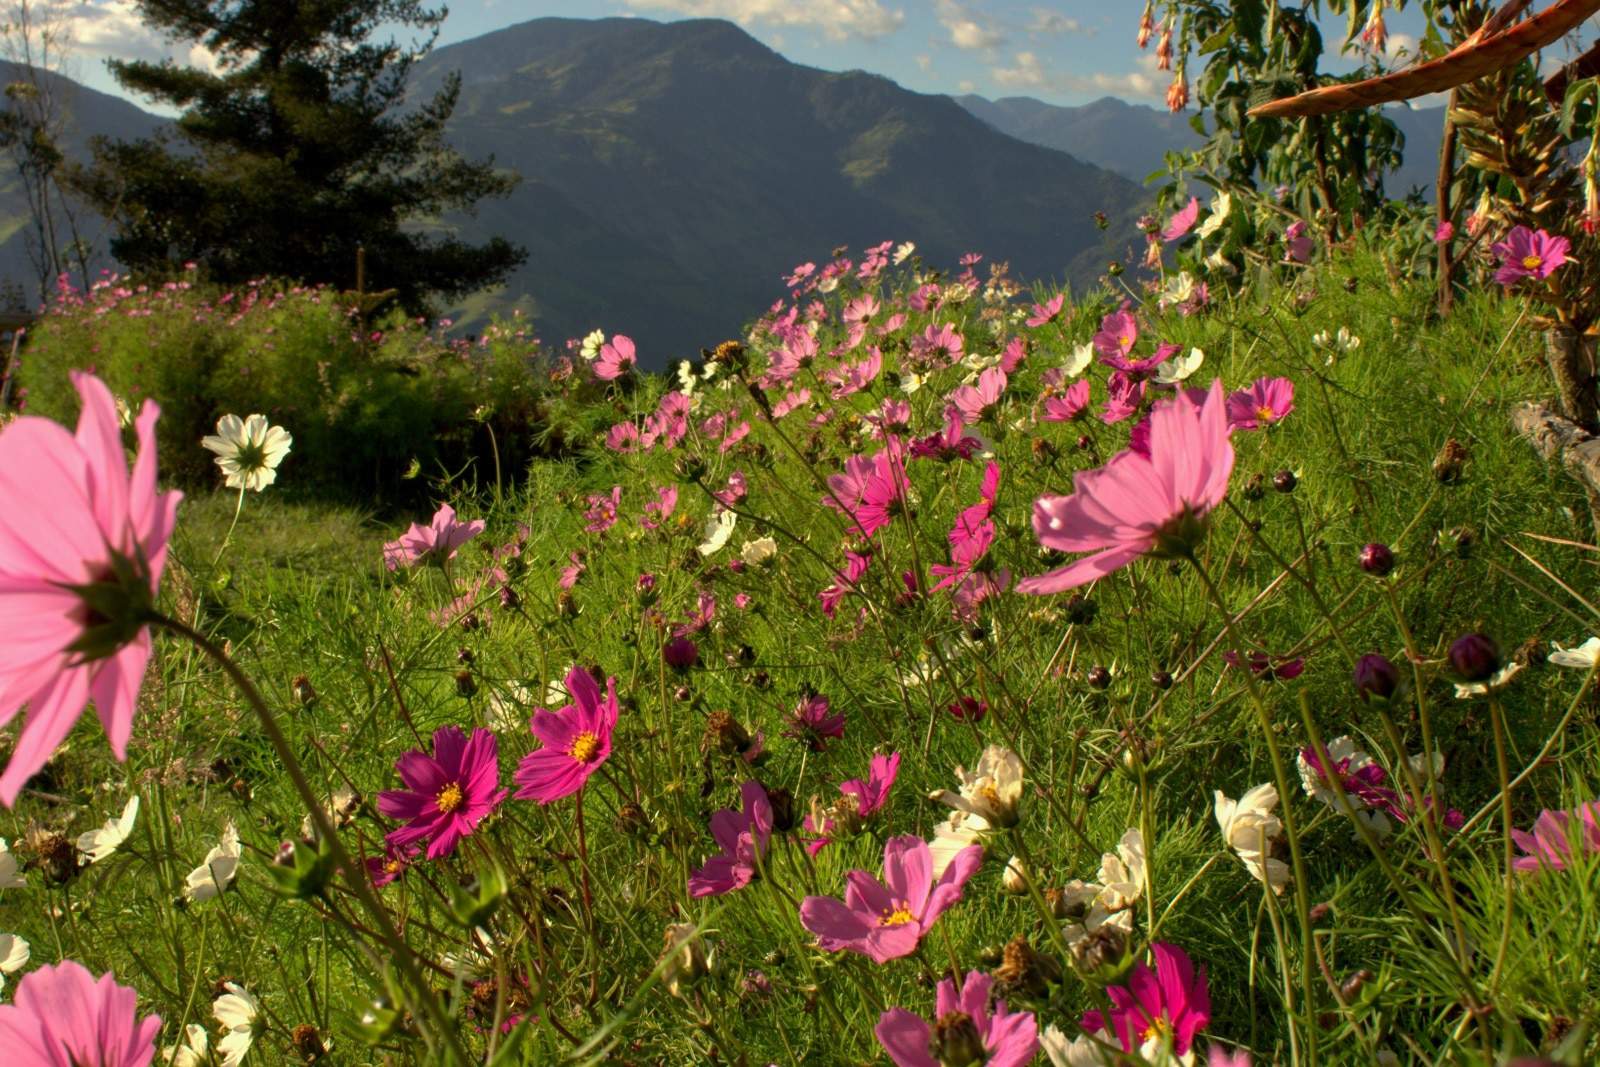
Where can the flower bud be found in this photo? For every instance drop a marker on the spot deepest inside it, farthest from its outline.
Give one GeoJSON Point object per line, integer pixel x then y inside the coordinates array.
{"type": "Point", "coordinates": [687, 958]}
{"type": "Point", "coordinates": [1376, 677]}
{"type": "Point", "coordinates": [1475, 657]}
{"type": "Point", "coordinates": [1285, 481]}
{"type": "Point", "coordinates": [1377, 559]}
{"type": "Point", "coordinates": [956, 1041]}
{"type": "Point", "coordinates": [1099, 677]}
{"type": "Point", "coordinates": [1015, 878]}
{"type": "Point", "coordinates": [681, 653]}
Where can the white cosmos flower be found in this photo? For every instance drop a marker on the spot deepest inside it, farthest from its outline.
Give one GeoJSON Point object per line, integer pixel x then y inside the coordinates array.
{"type": "Point", "coordinates": [687, 379]}
{"type": "Point", "coordinates": [248, 450]}
{"type": "Point", "coordinates": [911, 381]}
{"type": "Point", "coordinates": [195, 1050]}
{"type": "Point", "coordinates": [1219, 261]}
{"type": "Point", "coordinates": [10, 873]}
{"type": "Point", "coordinates": [592, 344]}
{"type": "Point", "coordinates": [1251, 830]}
{"type": "Point", "coordinates": [216, 874]}
{"type": "Point", "coordinates": [1179, 289]}
{"type": "Point", "coordinates": [1501, 679]}
{"type": "Point", "coordinates": [760, 551]}
{"type": "Point", "coordinates": [1080, 1050]}
{"type": "Point", "coordinates": [1176, 369]}
{"type": "Point", "coordinates": [991, 791]}
{"type": "Point", "coordinates": [96, 845]}
{"type": "Point", "coordinates": [904, 252]}
{"type": "Point", "coordinates": [1122, 873]}
{"type": "Point", "coordinates": [718, 528]}
{"type": "Point", "coordinates": [340, 809]}
{"type": "Point", "coordinates": [1582, 656]}
{"type": "Point", "coordinates": [957, 832]}
{"type": "Point", "coordinates": [1316, 786]}
{"type": "Point", "coordinates": [14, 954]}
{"type": "Point", "coordinates": [1080, 359]}
{"type": "Point", "coordinates": [239, 1014]}
{"type": "Point", "coordinates": [1221, 207]}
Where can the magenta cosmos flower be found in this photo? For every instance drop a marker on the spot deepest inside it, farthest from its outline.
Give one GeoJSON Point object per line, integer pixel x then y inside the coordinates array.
{"type": "Point", "coordinates": [1529, 253]}
{"type": "Point", "coordinates": [1550, 843]}
{"type": "Point", "coordinates": [885, 920]}
{"type": "Point", "coordinates": [1138, 504]}
{"type": "Point", "coordinates": [743, 838]}
{"type": "Point", "coordinates": [963, 1031]}
{"type": "Point", "coordinates": [616, 357]}
{"type": "Point", "coordinates": [434, 543]}
{"type": "Point", "coordinates": [61, 1016]}
{"type": "Point", "coordinates": [577, 740]}
{"type": "Point", "coordinates": [1266, 402]}
{"type": "Point", "coordinates": [1170, 1004]}
{"type": "Point", "coordinates": [447, 794]}
{"type": "Point", "coordinates": [857, 800]}
{"type": "Point", "coordinates": [83, 541]}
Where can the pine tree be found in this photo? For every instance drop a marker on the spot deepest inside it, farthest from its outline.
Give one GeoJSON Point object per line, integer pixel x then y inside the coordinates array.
{"type": "Point", "coordinates": [296, 150]}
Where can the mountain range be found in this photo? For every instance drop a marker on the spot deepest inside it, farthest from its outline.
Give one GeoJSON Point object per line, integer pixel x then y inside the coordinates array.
{"type": "Point", "coordinates": [674, 173]}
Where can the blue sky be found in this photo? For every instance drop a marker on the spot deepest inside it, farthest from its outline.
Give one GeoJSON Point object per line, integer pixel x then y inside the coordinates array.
{"type": "Point", "coordinates": [1064, 52]}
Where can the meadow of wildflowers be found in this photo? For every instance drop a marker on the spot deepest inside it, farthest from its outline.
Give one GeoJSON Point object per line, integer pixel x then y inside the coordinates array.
{"type": "Point", "coordinates": [943, 673]}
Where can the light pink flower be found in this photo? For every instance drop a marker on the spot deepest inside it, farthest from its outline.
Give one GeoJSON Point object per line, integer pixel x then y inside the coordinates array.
{"type": "Point", "coordinates": [435, 543]}
{"type": "Point", "coordinates": [974, 403]}
{"type": "Point", "coordinates": [1069, 405]}
{"type": "Point", "coordinates": [1266, 402]}
{"type": "Point", "coordinates": [616, 356]}
{"type": "Point", "coordinates": [1297, 243]}
{"type": "Point", "coordinates": [1550, 844]}
{"type": "Point", "coordinates": [1046, 312]}
{"type": "Point", "coordinates": [62, 1016]}
{"type": "Point", "coordinates": [1138, 504]}
{"type": "Point", "coordinates": [961, 1020]}
{"type": "Point", "coordinates": [1119, 331]}
{"type": "Point", "coordinates": [1184, 220]}
{"type": "Point", "coordinates": [83, 541]}
{"type": "Point", "coordinates": [661, 508]}
{"type": "Point", "coordinates": [886, 920]}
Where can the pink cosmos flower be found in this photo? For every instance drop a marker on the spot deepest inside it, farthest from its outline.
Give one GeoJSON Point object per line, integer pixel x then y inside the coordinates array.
{"type": "Point", "coordinates": [950, 445]}
{"type": "Point", "coordinates": [857, 801]}
{"type": "Point", "coordinates": [1069, 405]}
{"type": "Point", "coordinates": [1529, 253]}
{"type": "Point", "coordinates": [1170, 1003]}
{"type": "Point", "coordinates": [861, 308]}
{"type": "Point", "coordinates": [1015, 352]}
{"type": "Point", "coordinates": [447, 794]}
{"type": "Point", "coordinates": [1550, 843]}
{"type": "Point", "coordinates": [1046, 312]}
{"type": "Point", "coordinates": [886, 920]}
{"type": "Point", "coordinates": [83, 541]}
{"type": "Point", "coordinates": [661, 508]}
{"type": "Point", "coordinates": [577, 740]}
{"type": "Point", "coordinates": [1297, 243]}
{"type": "Point", "coordinates": [1119, 331]}
{"type": "Point", "coordinates": [616, 356]}
{"type": "Point", "coordinates": [61, 1016]}
{"type": "Point", "coordinates": [391, 866]}
{"type": "Point", "coordinates": [1266, 402]}
{"type": "Point", "coordinates": [813, 723]}
{"type": "Point", "coordinates": [601, 514]}
{"type": "Point", "coordinates": [872, 489]}
{"type": "Point", "coordinates": [571, 573]}
{"type": "Point", "coordinates": [1182, 222]}
{"type": "Point", "coordinates": [844, 582]}
{"type": "Point", "coordinates": [854, 377]}
{"type": "Point", "coordinates": [1444, 231]}
{"type": "Point", "coordinates": [743, 837]}
{"type": "Point", "coordinates": [623, 438]}
{"type": "Point", "coordinates": [435, 543]}
{"type": "Point", "coordinates": [974, 403]}
{"type": "Point", "coordinates": [938, 341]}
{"type": "Point", "coordinates": [1138, 504]}
{"type": "Point", "coordinates": [1124, 394]}
{"type": "Point", "coordinates": [963, 1029]}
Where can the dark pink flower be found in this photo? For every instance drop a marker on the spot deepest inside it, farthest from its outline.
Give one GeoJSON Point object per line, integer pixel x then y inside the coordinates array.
{"type": "Point", "coordinates": [660, 509]}
{"type": "Point", "coordinates": [576, 741]}
{"type": "Point", "coordinates": [435, 543]}
{"type": "Point", "coordinates": [1118, 333]}
{"type": "Point", "coordinates": [1549, 846]}
{"type": "Point", "coordinates": [83, 542]}
{"type": "Point", "coordinates": [872, 490]}
{"type": "Point", "coordinates": [844, 582]}
{"type": "Point", "coordinates": [1124, 394]}
{"type": "Point", "coordinates": [601, 514]}
{"type": "Point", "coordinates": [391, 866]}
{"type": "Point", "coordinates": [963, 1031]}
{"type": "Point", "coordinates": [1529, 253]}
{"type": "Point", "coordinates": [886, 920]}
{"type": "Point", "coordinates": [1297, 243]}
{"type": "Point", "coordinates": [1170, 1004]}
{"type": "Point", "coordinates": [447, 794]}
{"type": "Point", "coordinates": [616, 356]}
{"type": "Point", "coordinates": [950, 445]}
{"type": "Point", "coordinates": [743, 837]}
{"type": "Point", "coordinates": [1070, 405]}
{"type": "Point", "coordinates": [1138, 504]}
{"type": "Point", "coordinates": [62, 1016]}
{"type": "Point", "coordinates": [857, 801]}
{"type": "Point", "coordinates": [1266, 402]}
{"type": "Point", "coordinates": [813, 723]}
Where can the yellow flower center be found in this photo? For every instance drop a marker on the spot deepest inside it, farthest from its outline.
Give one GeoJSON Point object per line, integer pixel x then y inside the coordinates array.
{"type": "Point", "coordinates": [1126, 340]}
{"type": "Point", "coordinates": [1264, 413]}
{"type": "Point", "coordinates": [1532, 262]}
{"type": "Point", "coordinates": [898, 917]}
{"type": "Point", "coordinates": [449, 798]}
{"type": "Point", "coordinates": [392, 867]}
{"type": "Point", "coordinates": [584, 747]}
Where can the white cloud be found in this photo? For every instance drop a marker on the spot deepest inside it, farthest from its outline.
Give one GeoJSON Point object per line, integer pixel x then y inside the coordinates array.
{"type": "Point", "coordinates": [838, 19]}
{"type": "Point", "coordinates": [924, 63]}
{"type": "Point", "coordinates": [1028, 71]}
{"type": "Point", "coordinates": [112, 29]}
{"type": "Point", "coordinates": [968, 31]}
{"type": "Point", "coordinates": [966, 85]}
{"type": "Point", "coordinates": [1051, 23]}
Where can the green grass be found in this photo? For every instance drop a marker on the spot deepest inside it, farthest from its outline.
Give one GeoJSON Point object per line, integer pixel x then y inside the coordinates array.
{"type": "Point", "coordinates": [301, 591]}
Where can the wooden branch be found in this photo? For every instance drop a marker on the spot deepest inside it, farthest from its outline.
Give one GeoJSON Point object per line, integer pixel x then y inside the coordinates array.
{"type": "Point", "coordinates": [1557, 438]}
{"type": "Point", "coordinates": [1479, 55]}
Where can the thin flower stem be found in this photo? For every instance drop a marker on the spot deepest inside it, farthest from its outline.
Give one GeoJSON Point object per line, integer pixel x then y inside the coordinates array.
{"type": "Point", "coordinates": [238, 509]}
{"type": "Point", "coordinates": [354, 874]}
{"type": "Point", "coordinates": [1046, 913]}
{"type": "Point", "coordinates": [1281, 778]}
{"type": "Point", "coordinates": [1497, 717]}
